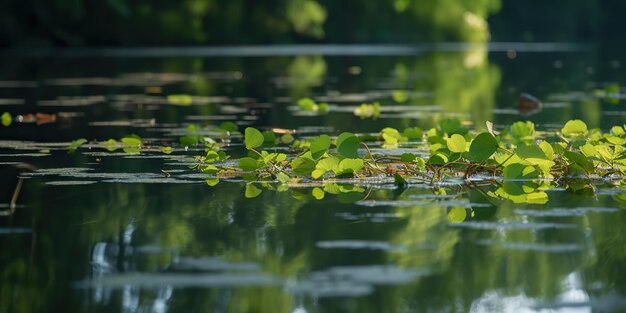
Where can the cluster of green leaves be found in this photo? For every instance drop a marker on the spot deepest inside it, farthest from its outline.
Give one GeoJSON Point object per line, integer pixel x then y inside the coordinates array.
{"type": "Point", "coordinates": [519, 155]}
{"type": "Point", "coordinates": [309, 105]}
{"type": "Point", "coordinates": [368, 110]}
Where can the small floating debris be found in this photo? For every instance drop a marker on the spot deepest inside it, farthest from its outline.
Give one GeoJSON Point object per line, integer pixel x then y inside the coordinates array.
{"type": "Point", "coordinates": [528, 104]}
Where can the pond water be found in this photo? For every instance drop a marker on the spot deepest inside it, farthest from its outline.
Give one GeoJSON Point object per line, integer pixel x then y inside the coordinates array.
{"type": "Point", "coordinates": [105, 230]}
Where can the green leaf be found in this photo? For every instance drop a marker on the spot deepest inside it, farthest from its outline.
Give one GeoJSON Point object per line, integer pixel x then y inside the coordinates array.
{"type": "Point", "coordinates": [319, 146]}
{"type": "Point", "coordinates": [282, 177]}
{"type": "Point", "coordinates": [531, 151]}
{"type": "Point", "coordinates": [75, 144]}
{"type": "Point", "coordinates": [212, 181]}
{"type": "Point", "coordinates": [229, 126]}
{"type": "Point", "coordinates": [615, 140]}
{"type": "Point", "coordinates": [131, 141]}
{"type": "Point", "coordinates": [317, 193]}
{"type": "Point", "coordinates": [579, 160]}
{"type": "Point", "coordinates": [547, 149]}
{"type": "Point", "coordinates": [574, 128]}
{"type": "Point", "coordinates": [302, 165]}
{"type": "Point", "coordinates": [328, 164]}
{"type": "Point", "coordinates": [348, 145]}
{"type": "Point", "coordinates": [452, 126]}
{"type": "Point", "coordinates": [247, 164]}
{"type": "Point", "coordinates": [438, 158]}
{"type": "Point", "coordinates": [413, 133]}
{"type": "Point", "coordinates": [523, 130]}
{"type": "Point", "coordinates": [269, 138]}
{"type": "Point", "coordinates": [456, 143]}
{"type": "Point", "coordinates": [253, 138]}
{"type": "Point", "coordinates": [482, 148]}
{"type": "Point", "coordinates": [317, 174]}
{"type": "Point", "coordinates": [182, 100]}
{"type": "Point", "coordinates": [167, 150]}
{"type": "Point", "coordinates": [400, 96]}
{"type": "Point", "coordinates": [286, 138]}
{"type": "Point", "coordinates": [189, 140]}
{"type": "Point", "coordinates": [618, 131]}
{"type": "Point", "coordinates": [350, 166]}
{"type": "Point", "coordinates": [399, 180]}
{"type": "Point", "coordinates": [7, 119]}
{"type": "Point", "coordinates": [520, 171]}
{"type": "Point", "coordinates": [307, 104]}
{"type": "Point", "coordinates": [252, 191]}
{"type": "Point", "coordinates": [408, 157]}
{"type": "Point", "coordinates": [210, 169]}
{"type": "Point", "coordinates": [457, 214]}
{"type": "Point", "coordinates": [323, 107]}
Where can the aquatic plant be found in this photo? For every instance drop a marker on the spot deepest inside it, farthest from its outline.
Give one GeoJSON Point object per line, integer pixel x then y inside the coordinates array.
{"type": "Point", "coordinates": [449, 150]}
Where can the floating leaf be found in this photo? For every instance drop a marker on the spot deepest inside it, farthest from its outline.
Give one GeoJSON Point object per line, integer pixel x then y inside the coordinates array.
{"type": "Point", "coordinates": [482, 148]}
{"type": "Point", "coordinates": [286, 138]}
{"type": "Point", "coordinates": [350, 166]}
{"type": "Point", "coordinates": [229, 126]}
{"type": "Point", "coordinates": [75, 144]}
{"type": "Point", "coordinates": [210, 169]}
{"type": "Point", "coordinates": [212, 181]}
{"type": "Point", "coordinates": [182, 100]}
{"type": "Point", "coordinates": [302, 165]}
{"type": "Point", "coordinates": [408, 157]}
{"type": "Point", "coordinates": [456, 143]}
{"type": "Point", "coordinates": [367, 110]}
{"type": "Point", "coordinates": [348, 145]}
{"type": "Point", "coordinates": [323, 107]}
{"type": "Point", "coordinates": [399, 180]}
{"type": "Point", "coordinates": [269, 138]}
{"type": "Point", "coordinates": [252, 191]}
{"type": "Point", "coordinates": [400, 96]}
{"type": "Point", "coordinates": [282, 177]}
{"type": "Point", "coordinates": [167, 150]}
{"type": "Point", "coordinates": [317, 193]}
{"type": "Point", "coordinates": [6, 119]}
{"type": "Point", "coordinates": [452, 126]}
{"type": "Point", "coordinates": [523, 130]}
{"type": "Point", "coordinates": [457, 214]}
{"type": "Point", "coordinates": [131, 141]}
{"type": "Point", "coordinates": [319, 146]}
{"type": "Point", "coordinates": [247, 164]}
{"type": "Point", "coordinates": [413, 133]}
{"type": "Point", "coordinates": [438, 158]}
{"type": "Point", "coordinates": [253, 138]}
{"type": "Point", "coordinates": [574, 128]}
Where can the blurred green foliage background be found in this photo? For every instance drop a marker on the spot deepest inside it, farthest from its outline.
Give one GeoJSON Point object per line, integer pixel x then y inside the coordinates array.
{"type": "Point", "coordinates": [43, 23]}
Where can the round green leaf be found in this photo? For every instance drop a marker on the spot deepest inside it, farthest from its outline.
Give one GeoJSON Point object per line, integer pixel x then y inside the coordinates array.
{"type": "Point", "coordinates": [252, 191]}
{"type": "Point", "coordinates": [457, 214]}
{"type": "Point", "coordinates": [247, 164]}
{"type": "Point", "coordinates": [482, 148]}
{"type": "Point", "coordinates": [456, 143]}
{"type": "Point", "coordinates": [574, 128]}
{"type": "Point", "coordinates": [7, 119]}
{"type": "Point", "coordinates": [317, 193]}
{"type": "Point", "coordinates": [350, 166]}
{"type": "Point", "coordinates": [302, 165]}
{"type": "Point", "coordinates": [348, 145]}
{"type": "Point", "coordinates": [253, 138]}
{"type": "Point", "coordinates": [319, 146]}
{"type": "Point", "coordinates": [131, 141]}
